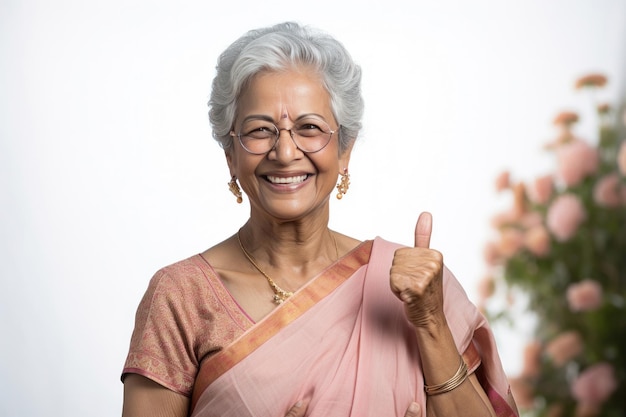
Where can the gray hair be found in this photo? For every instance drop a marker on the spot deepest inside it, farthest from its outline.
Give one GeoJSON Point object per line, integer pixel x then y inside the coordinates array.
{"type": "Point", "coordinates": [278, 48]}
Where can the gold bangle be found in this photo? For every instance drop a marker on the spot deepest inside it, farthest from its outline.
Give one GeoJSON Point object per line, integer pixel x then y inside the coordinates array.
{"type": "Point", "coordinates": [450, 384]}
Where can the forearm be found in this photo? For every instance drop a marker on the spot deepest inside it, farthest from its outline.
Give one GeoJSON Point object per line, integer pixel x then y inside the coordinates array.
{"type": "Point", "coordinates": [440, 362]}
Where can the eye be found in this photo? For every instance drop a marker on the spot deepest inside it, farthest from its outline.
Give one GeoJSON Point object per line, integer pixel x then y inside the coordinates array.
{"type": "Point", "coordinates": [258, 130]}
{"type": "Point", "coordinates": [308, 128]}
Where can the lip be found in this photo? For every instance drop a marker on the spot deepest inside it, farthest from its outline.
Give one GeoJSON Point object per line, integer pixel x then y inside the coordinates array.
{"type": "Point", "coordinates": [284, 181]}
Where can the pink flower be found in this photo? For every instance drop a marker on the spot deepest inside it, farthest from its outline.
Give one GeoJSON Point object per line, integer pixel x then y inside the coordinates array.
{"type": "Point", "coordinates": [575, 161]}
{"type": "Point", "coordinates": [537, 241]}
{"type": "Point", "coordinates": [595, 384]}
{"type": "Point", "coordinates": [541, 189]}
{"type": "Point", "coordinates": [584, 296]}
{"type": "Point", "coordinates": [503, 181]}
{"type": "Point", "coordinates": [564, 216]}
{"type": "Point", "coordinates": [621, 155]}
{"type": "Point", "coordinates": [564, 347]}
{"type": "Point", "coordinates": [607, 191]}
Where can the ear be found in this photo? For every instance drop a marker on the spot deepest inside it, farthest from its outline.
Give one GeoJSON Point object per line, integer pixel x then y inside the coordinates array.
{"type": "Point", "coordinates": [344, 158]}
{"type": "Point", "coordinates": [229, 161]}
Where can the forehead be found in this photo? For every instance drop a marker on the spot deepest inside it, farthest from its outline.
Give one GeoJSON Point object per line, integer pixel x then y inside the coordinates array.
{"type": "Point", "coordinates": [292, 92]}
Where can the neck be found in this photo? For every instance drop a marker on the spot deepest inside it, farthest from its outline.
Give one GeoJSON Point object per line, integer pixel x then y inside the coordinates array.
{"type": "Point", "coordinates": [290, 248]}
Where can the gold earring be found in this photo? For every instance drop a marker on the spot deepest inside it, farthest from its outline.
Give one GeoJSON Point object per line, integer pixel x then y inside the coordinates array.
{"type": "Point", "coordinates": [344, 184]}
{"type": "Point", "coordinates": [234, 188]}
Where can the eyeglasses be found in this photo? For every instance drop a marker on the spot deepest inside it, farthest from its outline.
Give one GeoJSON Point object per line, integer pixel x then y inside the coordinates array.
{"type": "Point", "coordinates": [259, 136]}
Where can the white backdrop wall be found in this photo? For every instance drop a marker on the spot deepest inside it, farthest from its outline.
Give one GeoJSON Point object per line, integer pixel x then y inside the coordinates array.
{"type": "Point", "coordinates": [108, 170]}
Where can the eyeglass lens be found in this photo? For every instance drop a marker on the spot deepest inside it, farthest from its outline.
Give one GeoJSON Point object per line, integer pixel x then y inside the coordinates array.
{"type": "Point", "coordinates": [259, 136]}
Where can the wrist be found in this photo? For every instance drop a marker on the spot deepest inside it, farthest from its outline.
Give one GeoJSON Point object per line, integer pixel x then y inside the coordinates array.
{"type": "Point", "coordinates": [457, 379]}
{"type": "Point", "coordinates": [432, 327]}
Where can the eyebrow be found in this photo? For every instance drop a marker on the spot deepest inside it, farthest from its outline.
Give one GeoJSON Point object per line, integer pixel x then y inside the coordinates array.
{"type": "Point", "coordinates": [270, 119]}
{"type": "Point", "coordinates": [257, 117]}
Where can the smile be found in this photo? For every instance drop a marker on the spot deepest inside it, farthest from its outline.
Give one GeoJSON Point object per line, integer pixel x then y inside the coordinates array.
{"type": "Point", "coordinates": [287, 180]}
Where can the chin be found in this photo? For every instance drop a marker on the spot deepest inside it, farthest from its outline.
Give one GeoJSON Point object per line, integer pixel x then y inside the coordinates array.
{"type": "Point", "coordinates": [293, 211]}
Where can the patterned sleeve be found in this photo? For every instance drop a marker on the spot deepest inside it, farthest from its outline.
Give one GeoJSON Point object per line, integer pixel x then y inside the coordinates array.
{"type": "Point", "coordinates": [162, 346]}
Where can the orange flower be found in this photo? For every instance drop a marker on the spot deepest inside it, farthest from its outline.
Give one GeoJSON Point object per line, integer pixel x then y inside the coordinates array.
{"type": "Point", "coordinates": [486, 287]}
{"type": "Point", "coordinates": [531, 219]}
{"type": "Point", "coordinates": [511, 241]}
{"type": "Point", "coordinates": [537, 241]}
{"type": "Point", "coordinates": [591, 80]}
{"type": "Point", "coordinates": [519, 199]}
{"type": "Point", "coordinates": [491, 254]}
{"type": "Point", "coordinates": [563, 136]}
{"type": "Point", "coordinates": [505, 218]}
{"type": "Point", "coordinates": [604, 108]}
{"type": "Point", "coordinates": [566, 118]}
{"type": "Point", "coordinates": [503, 181]}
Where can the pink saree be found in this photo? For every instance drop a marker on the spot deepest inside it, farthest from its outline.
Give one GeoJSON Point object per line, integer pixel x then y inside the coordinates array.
{"type": "Point", "coordinates": [344, 343]}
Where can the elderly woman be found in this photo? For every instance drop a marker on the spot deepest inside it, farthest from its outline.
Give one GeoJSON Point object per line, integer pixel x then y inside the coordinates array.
{"type": "Point", "coordinates": [287, 317]}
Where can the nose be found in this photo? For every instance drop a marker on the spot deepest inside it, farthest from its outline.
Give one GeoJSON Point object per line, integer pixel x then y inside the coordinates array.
{"type": "Point", "coordinates": [285, 148]}
{"type": "Point", "coordinates": [286, 130]}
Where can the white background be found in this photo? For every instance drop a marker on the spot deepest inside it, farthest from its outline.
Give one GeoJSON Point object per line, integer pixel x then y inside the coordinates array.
{"type": "Point", "coordinates": [108, 170]}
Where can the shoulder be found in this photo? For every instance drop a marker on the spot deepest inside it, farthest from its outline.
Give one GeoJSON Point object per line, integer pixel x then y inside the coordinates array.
{"type": "Point", "coordinates": [192, 289]}
{"type": "Point", "coordinates": [383, 244]}
{"type": "Point", "coordinates": [182, 289]}
{"type": "Point", "coordinates": [194, 265]}
{"type": "Point", "coordinates": [188, 274]}
{"type": "Point", "coordinates": [383, 250]}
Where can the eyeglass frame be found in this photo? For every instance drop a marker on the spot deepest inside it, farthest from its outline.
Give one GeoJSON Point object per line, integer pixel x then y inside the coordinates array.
{"type": "Point", "coordinates": [277, 137]}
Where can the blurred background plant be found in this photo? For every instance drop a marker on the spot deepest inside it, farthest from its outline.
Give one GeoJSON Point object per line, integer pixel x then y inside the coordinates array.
{"type": "Point", "coordinates": [559, 251]}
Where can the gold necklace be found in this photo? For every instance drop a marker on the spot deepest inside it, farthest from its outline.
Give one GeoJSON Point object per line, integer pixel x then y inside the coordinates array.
{"type": "Point", "coordinates": [280, 295]}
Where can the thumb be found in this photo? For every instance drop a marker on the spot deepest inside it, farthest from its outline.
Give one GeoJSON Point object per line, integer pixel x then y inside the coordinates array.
{"type": "Point", "coordinates": [423, 230]}
{"type": "Point", "coordinates": [414, 410]}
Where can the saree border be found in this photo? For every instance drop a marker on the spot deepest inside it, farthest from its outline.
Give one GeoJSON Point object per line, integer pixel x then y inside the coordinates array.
{"type": "Point", "coordinates": [291, 309]}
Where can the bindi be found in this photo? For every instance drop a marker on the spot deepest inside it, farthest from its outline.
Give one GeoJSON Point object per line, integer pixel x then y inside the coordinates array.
{"type": "Point", "coordinates": [284, 116]}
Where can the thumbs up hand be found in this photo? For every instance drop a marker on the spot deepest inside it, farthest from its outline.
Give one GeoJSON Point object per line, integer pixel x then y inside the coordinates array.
{"type": "Point", "coordinates": [416, 277]}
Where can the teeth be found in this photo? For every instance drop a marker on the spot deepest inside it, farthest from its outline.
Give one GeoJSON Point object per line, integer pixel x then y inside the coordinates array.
{"type": "Point", "coordinates": [288, 180]}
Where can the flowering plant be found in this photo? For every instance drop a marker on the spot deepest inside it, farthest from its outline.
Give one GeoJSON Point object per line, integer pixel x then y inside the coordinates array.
{"type": "Point", "coordinates": [561, 249]}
